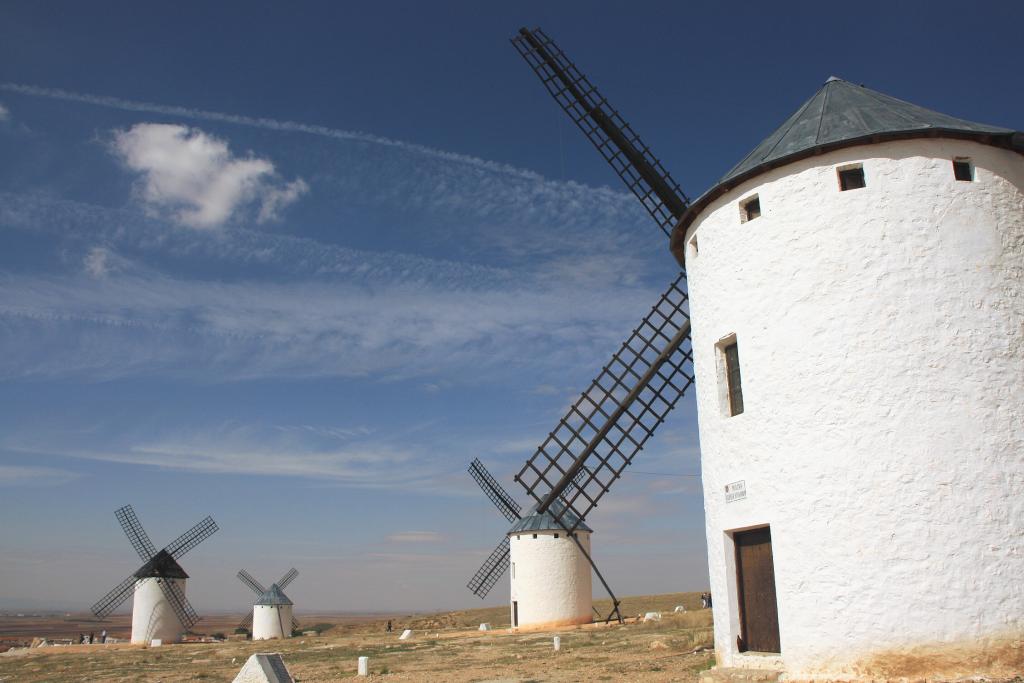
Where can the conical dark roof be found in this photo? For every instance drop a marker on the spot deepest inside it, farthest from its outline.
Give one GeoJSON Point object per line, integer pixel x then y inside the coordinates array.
{"type": "Point", "coordinates": [842, 114]}
{"type": "Point", "coordinates": [532, 521]}
{"type": "Point", "coordinates": [273, 596]}
{"type": "Point", "coordinates": [163, 565]}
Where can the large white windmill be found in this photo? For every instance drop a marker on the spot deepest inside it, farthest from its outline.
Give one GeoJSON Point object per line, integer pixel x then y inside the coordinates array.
{"type": "Point", "coordinates": [863, 474]}
{"type": "Point", "coordinates": [160, 610]}
{"type": "Point", "coordinates": [271, 615]}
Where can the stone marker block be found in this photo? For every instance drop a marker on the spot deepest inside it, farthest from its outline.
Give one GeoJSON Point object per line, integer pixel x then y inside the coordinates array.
{"type": "Point", "coordinates": [406, 634]}
{"type": "Point", "coordinates": [558, 643]}
{"type": "Point", "coordinates": [652, 616]}
{"type": "Point", "coordinates": [265, 667]}
{"type": "Point", "coordinates": [156, 642]}
{"type": "Point", "coordinates": [485, 627]}
{"type": "Point", "coordinates": [363, 668]}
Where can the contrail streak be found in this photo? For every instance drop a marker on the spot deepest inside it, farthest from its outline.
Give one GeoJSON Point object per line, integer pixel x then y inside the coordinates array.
{"type": "Point", "coordinates": [265, 123]}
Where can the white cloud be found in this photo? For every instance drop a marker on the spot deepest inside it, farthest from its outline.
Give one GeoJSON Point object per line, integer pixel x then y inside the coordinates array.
{"type": "Point", "coordinates": [276, 198]}
{"type": "Point", "coordinates": [415, 537]}
{"type": "Point", "coordinates": [195, 177]}
{"type": "Point", "coordinates": [14, 475]}
{"type": "Point", "coordinates": [97, 262]}
{"type": "Point", "coordinates": [5, 113]}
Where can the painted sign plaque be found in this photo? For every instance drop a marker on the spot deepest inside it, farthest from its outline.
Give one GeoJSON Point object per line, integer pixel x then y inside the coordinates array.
{"type": "Point", "coordinates": [735, 491]}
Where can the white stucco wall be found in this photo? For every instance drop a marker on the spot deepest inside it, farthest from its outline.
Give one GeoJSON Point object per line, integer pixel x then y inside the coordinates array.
{"type": "Point", "coordinates": [152, 616]}
{"type": "Point", "coordinates": [881, 344]}
{"type": "Point", "coordinates": [271, 621]}
{"type": "Point", "coordinates": [551, 579]}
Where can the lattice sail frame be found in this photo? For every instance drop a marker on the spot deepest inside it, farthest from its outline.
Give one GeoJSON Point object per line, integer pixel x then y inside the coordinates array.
{"type": "Point", "coordinates": [179, 603]}
{"type": "Point", "coordinates": [501, 498]}
{"type": "Point", "coordinates": [191, 538]}
{"type": "Point", "coordinates": [288, 577]}
{"type": "Point", "coordinates": [491, 570]}
{"type": "Point", "coordinates": [611, 135]}
{"type": "Point", "coordinates": [248, 579]}
{"type": "Point", "coordinates": [137, 536]}
{"type": "Point", "coordinates": [610, 423]}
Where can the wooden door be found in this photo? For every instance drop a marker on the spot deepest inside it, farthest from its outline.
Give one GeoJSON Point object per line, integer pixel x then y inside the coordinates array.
{"type": "Point", "coordinates": [755, 576]}
{"type": "Point", "coordinates": [515, 613]}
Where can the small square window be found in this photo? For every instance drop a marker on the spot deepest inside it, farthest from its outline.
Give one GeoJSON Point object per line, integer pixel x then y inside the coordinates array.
{"type": "Point", "coordinates": [750, 209]}
{"type": "Point", "coordinates": [851, 178]}
{"type": "Point", "coordinates": [962, 169]}
{"type": "Point", "coordinates": [535, 535]}
{"type": "Point", "coordinates": [556, 535]}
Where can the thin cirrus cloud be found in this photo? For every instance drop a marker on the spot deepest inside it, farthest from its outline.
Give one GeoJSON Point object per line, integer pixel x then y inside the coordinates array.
{"type": "Point", "coordinates": [362, 466]}
{"type": "Point", "coordinates": [154, 324]}
{"type": "Point", "coordinates": [260, 122]}
{"type": "Point", "coordinates": [195, 177]}
{"type": "Point", "coordinates": [15, 475]}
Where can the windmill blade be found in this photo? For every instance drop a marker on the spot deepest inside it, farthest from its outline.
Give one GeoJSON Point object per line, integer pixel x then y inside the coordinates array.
{"type": "Point", "coordinates": [135, 533]}
{"type": "Point", "coordinates": [574, 485]}
{"type": "Point", "coordinates": [112, 600]}
{"type": "Point", "coordinates": [179, 603]}
{"type": "Point", "coordinates": [621, 147]}
{"type": "Point", "coordinates": [295, 624]}
{"type": "Point", "coordinates": [500, 497]}
{"type": "Point", "coordinates": [191, 538]}
{"type": "Point", "coordinates": [246, 622]}
{"type": "Point", "coordinates": [490, 571]}
{"type": "Point", "coordinates": [246, 578]}
{"type": "Point", "coordinates": [610, 423]}
{"type": "Point", "coordinates": [283, 582]}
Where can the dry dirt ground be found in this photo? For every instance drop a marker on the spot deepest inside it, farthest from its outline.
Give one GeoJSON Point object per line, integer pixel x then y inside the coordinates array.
{"type": "Point", "coordinates": [444, 647]}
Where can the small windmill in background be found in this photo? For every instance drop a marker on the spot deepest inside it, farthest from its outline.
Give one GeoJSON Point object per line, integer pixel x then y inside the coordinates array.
{"type": "Point", "coordinates": [613, 419]}
{"type": "Point", "coordinates": [271, 615]}
{"type": "Point", "coordinates": [550, 567]}
{"type": "Point", "coordinates": [160, 609]}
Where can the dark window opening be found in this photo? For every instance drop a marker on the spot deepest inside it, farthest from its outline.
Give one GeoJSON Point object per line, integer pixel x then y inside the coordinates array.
{"type": "Point", "coordinates": [556, 535]}
{"type": "Point", "coordinates": [962, 170]}
{"type": "Point", "coordinates": [732, 378]}
{"type": "Point", "coordinates": [752, 209]}
{"type": "Point", "coordinates": [851, 178]}
{"type": "Point", "coordinates": [535, 535]}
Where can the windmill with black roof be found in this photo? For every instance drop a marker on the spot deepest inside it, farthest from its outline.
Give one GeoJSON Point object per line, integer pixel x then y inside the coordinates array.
{"type": "Point", "coordinates": [160, 610]}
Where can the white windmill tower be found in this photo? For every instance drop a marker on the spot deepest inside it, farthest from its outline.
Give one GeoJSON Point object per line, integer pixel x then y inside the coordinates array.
{"type": "Point", "coordinates": [549, 566]}
{"type": "Point", "coordinates": [160, 610]}
{"type": "Point", "coordinates": [862, 481]}
{"type": "Point", "coordinates": [271, 615]}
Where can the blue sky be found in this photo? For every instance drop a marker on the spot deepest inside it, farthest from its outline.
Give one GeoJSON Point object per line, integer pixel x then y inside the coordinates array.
{"type": "Point", "coordinates": [295, 268]}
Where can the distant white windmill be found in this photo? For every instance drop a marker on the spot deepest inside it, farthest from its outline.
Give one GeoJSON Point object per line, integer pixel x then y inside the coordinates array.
{"type": "Point", "coordinates": [271, 615]}
{"type": "Point", "coordinates": [160, 609]}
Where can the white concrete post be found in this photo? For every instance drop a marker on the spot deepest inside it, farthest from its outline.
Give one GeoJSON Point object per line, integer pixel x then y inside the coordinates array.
{"type": "Point", "coordinates": [364, 667]}
{"type": "Point", "coordinates": [558, 643]}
